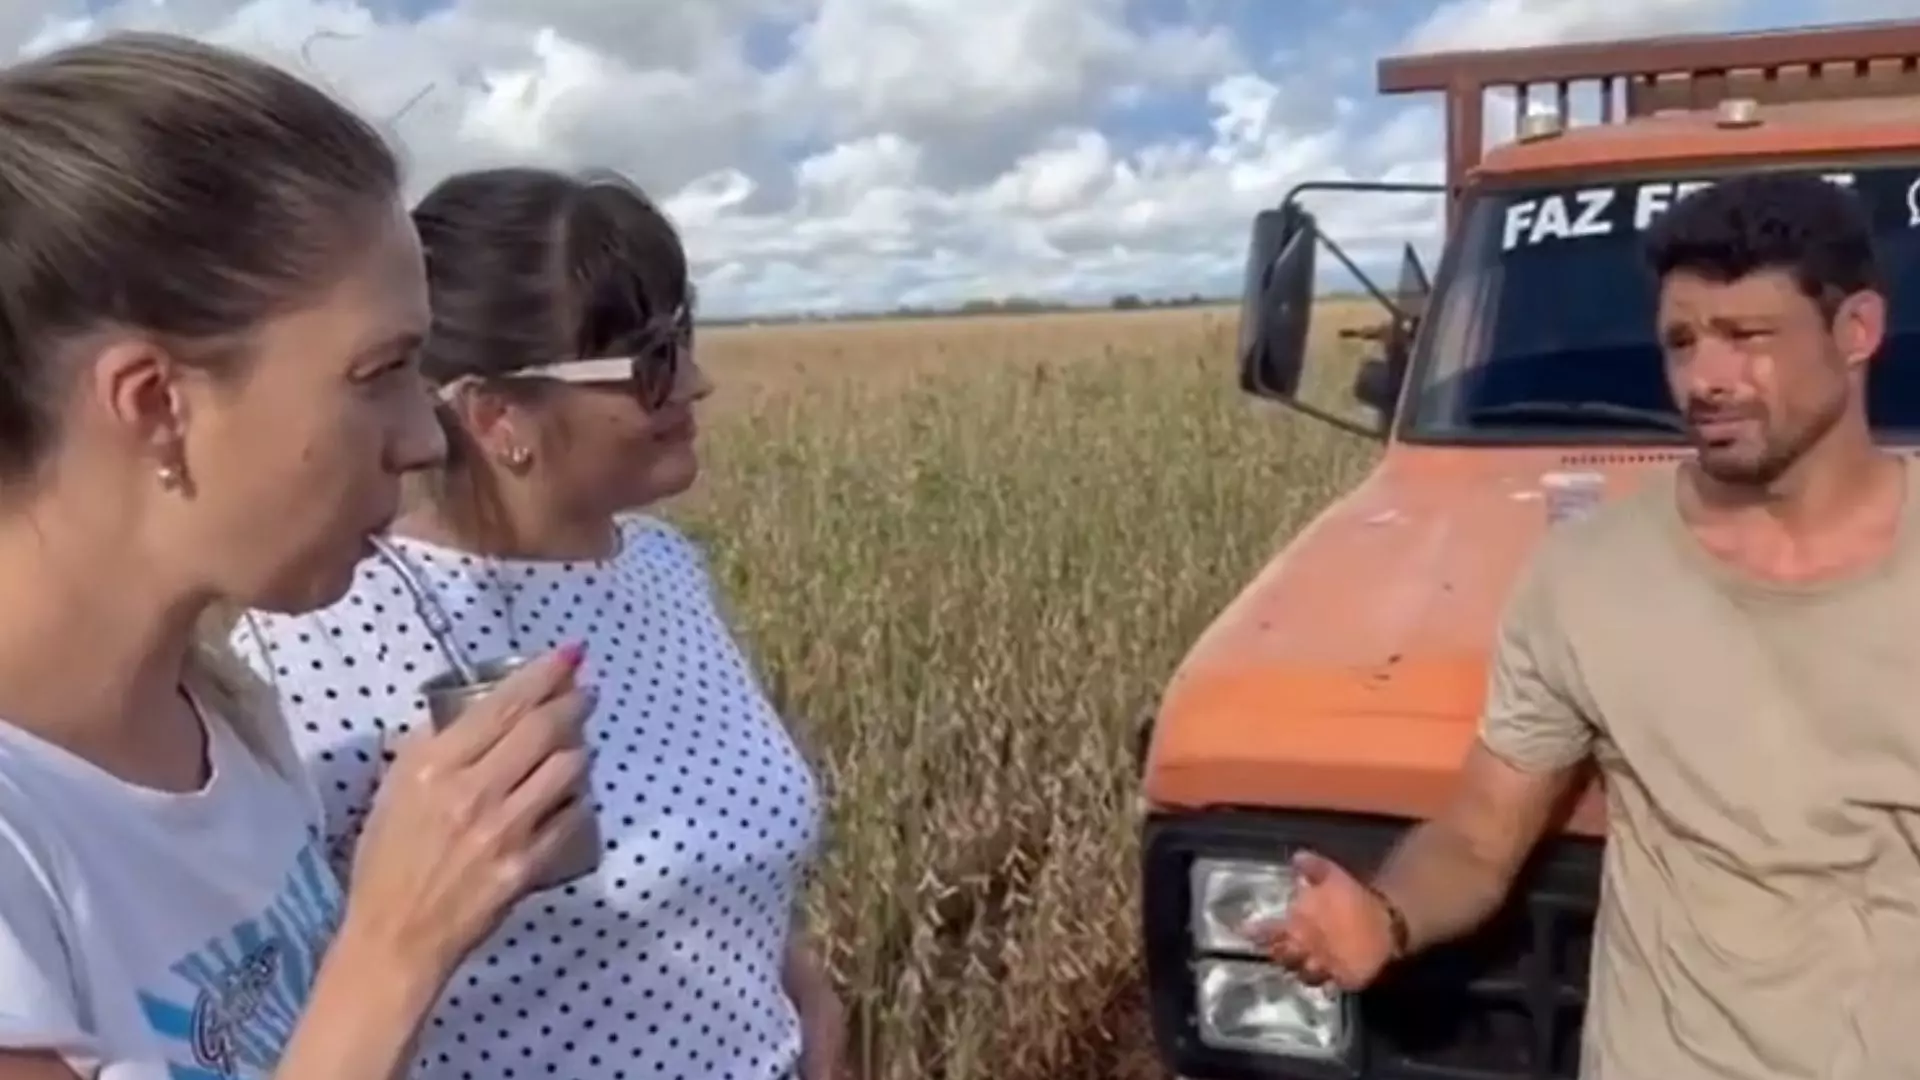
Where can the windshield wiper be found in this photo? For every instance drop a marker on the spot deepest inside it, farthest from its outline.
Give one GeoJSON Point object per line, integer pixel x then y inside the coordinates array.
{"type": "Point", "coordinates": [1579, 410]}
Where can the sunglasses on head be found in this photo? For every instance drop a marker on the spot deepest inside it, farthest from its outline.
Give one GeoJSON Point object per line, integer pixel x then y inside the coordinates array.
{"type": "Point", "coordinates": [648, 373]}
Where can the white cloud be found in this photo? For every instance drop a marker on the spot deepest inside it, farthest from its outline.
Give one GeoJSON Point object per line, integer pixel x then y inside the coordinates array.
{"type": "Point", "coordinates": [1492, 24]}
{"type": "Point", "coordinates": [866, 153]}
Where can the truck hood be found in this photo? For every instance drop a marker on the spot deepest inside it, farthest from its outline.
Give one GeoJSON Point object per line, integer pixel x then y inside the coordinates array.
{"type": "Point", "coordinates": [1350, 674]}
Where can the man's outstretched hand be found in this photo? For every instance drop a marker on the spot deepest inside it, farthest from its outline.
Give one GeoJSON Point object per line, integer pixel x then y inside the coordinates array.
{"type": "Point", "coordinates": [1336, 930]}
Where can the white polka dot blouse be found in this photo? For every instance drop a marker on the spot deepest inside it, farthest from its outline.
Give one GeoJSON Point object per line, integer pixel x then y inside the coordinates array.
{"type": "Point", "coordinates": [665, 964]}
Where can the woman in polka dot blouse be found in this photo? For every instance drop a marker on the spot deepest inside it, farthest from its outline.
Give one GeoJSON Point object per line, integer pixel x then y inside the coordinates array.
{"type": "Point", "coordinates": [561, 348]}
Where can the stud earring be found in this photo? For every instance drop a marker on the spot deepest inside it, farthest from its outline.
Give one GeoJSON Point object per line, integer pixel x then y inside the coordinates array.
{"type": "Point", "coordinates": [169, 477]}
{"type": "Point", "coordinates": [518, 457]}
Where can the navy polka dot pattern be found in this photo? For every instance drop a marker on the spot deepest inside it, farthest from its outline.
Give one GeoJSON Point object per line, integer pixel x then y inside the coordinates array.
{"type": "Point", "coordinates": [666, 964]}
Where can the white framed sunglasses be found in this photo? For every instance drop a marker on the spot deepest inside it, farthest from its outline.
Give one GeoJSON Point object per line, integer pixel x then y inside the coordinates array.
{"type": "Point", "coordinates": [649, 374]}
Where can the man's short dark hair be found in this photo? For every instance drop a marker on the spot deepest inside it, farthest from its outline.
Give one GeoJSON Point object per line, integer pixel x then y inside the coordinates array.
{"type": "Point", "coordinates": [1805, 225]}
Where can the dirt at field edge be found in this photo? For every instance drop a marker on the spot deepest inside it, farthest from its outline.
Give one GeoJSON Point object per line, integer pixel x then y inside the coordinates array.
{"type": "Point", "coordinates": [1115, 1044]}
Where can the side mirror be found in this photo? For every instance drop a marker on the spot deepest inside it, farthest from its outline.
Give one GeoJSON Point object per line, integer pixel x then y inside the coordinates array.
{"type": "Point", "coordinates": [1276, 307]}
{"type": "Point", "coordinates": [1276, 302]}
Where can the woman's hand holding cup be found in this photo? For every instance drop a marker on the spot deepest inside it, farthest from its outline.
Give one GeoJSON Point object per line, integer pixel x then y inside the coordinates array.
{"type": "Point", "coordinates": [470, 817]}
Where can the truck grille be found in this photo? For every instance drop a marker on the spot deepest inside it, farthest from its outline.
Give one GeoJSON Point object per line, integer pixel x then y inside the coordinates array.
{"type": "Point", "coordinates": [1504, 1004]}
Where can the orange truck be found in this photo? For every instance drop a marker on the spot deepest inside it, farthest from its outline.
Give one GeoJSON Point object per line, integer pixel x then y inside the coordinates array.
{"type": "Point", "coordinates": [1329, 705]}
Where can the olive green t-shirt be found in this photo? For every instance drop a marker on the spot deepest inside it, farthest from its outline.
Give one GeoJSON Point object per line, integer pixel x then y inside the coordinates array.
{"type": "Point", "coordinates": [1760, 744]}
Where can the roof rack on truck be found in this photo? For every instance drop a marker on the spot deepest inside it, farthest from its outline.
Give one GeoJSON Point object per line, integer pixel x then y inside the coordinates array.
{"type": "Point", "coordinates": [1653, 75]}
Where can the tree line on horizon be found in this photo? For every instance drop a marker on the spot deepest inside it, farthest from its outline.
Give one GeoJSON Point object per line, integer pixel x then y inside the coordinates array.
{"type": "Point", "coordinates": [1009, 305]}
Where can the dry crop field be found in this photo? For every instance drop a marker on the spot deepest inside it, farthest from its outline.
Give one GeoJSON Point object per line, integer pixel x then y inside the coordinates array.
{"type": "Point", "coordinates": [965, 553]}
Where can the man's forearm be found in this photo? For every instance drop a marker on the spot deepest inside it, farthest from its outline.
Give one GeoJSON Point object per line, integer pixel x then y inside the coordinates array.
{"type": "Point", "coordinates": [1443, 887]}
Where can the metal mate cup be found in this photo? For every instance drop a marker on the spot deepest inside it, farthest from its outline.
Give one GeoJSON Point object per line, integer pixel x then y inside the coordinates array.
{"type": "Point", "coordinates": [449, 694]}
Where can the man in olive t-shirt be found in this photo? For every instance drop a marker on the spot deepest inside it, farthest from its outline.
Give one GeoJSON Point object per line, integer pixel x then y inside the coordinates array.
{"type": "Point", "coordinates": [1737, 647]}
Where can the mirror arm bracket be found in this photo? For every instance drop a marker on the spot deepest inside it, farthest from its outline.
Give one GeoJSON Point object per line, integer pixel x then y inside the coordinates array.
{"type": "Point", "coordinates": [1375, 433]}
{"type": "Point", "coordinates": [1366, 282]}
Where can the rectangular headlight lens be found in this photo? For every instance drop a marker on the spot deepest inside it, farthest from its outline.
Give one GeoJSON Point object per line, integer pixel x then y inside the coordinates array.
{"type": "Point", "coordinates": [1230, 895]}
{"type": "Point", "coordinates": [1259, 1008]}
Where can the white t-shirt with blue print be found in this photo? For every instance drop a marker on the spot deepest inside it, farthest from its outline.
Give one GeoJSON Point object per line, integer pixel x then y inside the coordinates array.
{"type": "Point", "coordinates": [149, 935]}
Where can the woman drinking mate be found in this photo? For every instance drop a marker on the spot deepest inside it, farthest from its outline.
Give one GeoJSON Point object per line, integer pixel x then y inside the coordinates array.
{"type": "Point", "coordinates": [562, 347]}
{"type": "Point", "coordinates": [210, 301]}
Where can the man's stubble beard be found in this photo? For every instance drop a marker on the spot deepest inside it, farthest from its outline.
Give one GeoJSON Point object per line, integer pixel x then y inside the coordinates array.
{"type": "Point", "coordinates": [1780, 452]}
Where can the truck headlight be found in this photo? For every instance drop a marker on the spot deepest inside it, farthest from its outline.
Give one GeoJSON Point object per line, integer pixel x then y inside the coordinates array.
{"type": "Point", "coordinates": [1259, 1008]}
{"type": "Point", "coordinates": [1231, 896]}
{"type": "Point", "coordinates": [1244, 1002]}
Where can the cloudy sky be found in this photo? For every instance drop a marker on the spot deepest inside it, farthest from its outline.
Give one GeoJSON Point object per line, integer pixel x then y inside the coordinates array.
{"type": "Point", "coordinates": [859, 154]}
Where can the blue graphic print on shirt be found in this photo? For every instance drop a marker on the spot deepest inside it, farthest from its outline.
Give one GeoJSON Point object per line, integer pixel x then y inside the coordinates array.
{"type": "Point", "coordinates": [250, 984]}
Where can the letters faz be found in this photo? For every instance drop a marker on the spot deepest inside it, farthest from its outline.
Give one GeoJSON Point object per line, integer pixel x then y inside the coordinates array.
{"type": "Point", "coordinates": [1598, 211]}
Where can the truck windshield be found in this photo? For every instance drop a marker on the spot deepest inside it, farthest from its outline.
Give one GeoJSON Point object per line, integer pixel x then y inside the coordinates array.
{"type": "Point", "coordinates": [1545, 331]}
